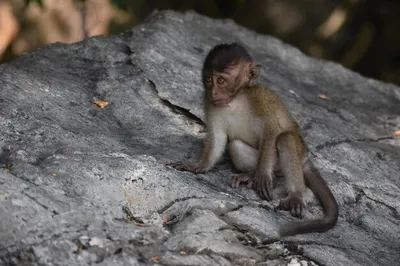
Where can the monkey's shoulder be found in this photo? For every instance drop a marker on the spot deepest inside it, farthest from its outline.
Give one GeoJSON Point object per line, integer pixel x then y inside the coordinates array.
{"type": "Point", "coordinates": [263, 100]}
{"type": "Point", "coordinates": [264, 103]}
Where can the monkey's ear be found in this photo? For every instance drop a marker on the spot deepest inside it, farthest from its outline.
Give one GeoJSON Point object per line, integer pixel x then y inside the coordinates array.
{"type": "Point", "coordinates": [254, 72]}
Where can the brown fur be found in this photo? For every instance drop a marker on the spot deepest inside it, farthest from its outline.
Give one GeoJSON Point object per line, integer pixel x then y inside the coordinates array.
{"type": "Point", "coordinates": [262, 136]}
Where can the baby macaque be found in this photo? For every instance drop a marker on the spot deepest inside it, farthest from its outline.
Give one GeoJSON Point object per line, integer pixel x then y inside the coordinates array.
{"type": "Point", "coordinates": [261, 137]}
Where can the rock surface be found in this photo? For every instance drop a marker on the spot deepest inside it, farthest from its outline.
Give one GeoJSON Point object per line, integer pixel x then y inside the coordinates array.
{"type": "Point", "coordinates": [84, 185]}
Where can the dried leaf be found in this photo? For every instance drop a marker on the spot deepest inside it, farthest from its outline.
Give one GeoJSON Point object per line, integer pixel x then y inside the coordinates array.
{"type": "Point", "coordinates": [101, 104]}
{"type": "Point", "coordinates": [6, 170]}
{"type": "Point", "coordinates": [53, 174]}
{"type": "Point", "coordinates": [397, 133]}
{"type": "Point", "coordinates": [155, 258]}
{"type": "Point", "coordinates": [323, 96]}
{"type": "Point", "coordinates": [78, 250]}
{"type": "Point", "coordinates": [139, 224]}
{"type": "Point", "coordinates": [164, 219]}
{"type": "Point", "coordinates": [183, 252]}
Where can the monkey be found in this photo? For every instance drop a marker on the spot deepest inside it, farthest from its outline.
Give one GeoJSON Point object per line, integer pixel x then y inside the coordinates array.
{"type": "Point", "coordinates": [261, 137]}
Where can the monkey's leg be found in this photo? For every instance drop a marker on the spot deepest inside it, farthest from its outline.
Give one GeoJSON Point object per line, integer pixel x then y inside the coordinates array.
{"type": "Point", "coordinates": [244, 158]}
{"type": "Point", "coordinates": [291, 153]}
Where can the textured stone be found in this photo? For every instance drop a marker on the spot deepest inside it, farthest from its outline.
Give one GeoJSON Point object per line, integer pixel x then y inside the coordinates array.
{"type": "Point", "coordinates": [81, 184]}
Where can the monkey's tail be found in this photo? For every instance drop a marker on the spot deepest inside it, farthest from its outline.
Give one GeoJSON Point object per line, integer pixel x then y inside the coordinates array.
{"type": "Point", "coordinates": [318, 185]}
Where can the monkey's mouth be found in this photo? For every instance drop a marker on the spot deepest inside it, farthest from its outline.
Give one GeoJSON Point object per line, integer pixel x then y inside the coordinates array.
{"type": "Point", "coordinates": [221, 102]}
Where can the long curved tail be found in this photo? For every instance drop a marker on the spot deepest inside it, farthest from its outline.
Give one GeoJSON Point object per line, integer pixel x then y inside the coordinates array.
{"type": "Point", "coordinates": [318, 185]}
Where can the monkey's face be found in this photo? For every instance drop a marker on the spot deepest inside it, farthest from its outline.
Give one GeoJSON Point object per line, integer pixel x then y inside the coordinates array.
{"type": "Point", "coordinates": [219, 88]}
{"type": "Point", "coordinates": [222, 86]}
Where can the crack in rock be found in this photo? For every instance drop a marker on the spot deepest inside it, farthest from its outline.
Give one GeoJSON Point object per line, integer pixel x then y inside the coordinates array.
{"type": "Point", "coordinates": [35, 200]}
{"type": "Point", "coordinates": [361, 193]}
{"type": "Point", "coordinates": [333, 143]}
{"type": "Point", "coordinates": [176, 108]}
{"type": "Point", "coordinates": [170, 204]}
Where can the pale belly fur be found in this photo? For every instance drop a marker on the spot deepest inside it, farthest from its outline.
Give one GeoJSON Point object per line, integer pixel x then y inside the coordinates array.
{"type": "Point", "coordinates": [239, 123]}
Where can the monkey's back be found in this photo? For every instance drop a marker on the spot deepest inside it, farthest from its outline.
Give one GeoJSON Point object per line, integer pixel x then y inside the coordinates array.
{"type": "Point", "coordinates": [266, 104]}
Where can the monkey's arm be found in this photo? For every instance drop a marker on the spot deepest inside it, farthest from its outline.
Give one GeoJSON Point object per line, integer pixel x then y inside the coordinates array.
{"type": "Point", "coordinates": [263, 179]}
{"type": "Point", "coordinates": [214, 147]}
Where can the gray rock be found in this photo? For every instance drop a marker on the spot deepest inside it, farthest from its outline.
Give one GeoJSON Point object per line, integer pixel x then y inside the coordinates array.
{"type": "Point", "coordinates": [83, 185]}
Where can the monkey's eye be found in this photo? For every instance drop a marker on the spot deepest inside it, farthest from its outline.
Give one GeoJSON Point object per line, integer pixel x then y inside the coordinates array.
{"type": "Point", "coordinates": [208, 80]}
{"type": "Point", "coordinates": [220, 80]}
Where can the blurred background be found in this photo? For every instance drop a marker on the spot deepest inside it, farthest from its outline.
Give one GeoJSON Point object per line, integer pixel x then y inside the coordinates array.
{"type": "Point", "coordinates": [363, 35]}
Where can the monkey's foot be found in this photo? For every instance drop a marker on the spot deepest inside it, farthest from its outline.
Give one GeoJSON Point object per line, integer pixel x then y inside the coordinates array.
{"type": "Point", "coordinates": [294, 204]}
{"type": "Point", "coordinates": [242, 178]}
{"type": "Point", "coordinates": [263, 185]}
{"type": "Point", "coordinates": [194, 168]}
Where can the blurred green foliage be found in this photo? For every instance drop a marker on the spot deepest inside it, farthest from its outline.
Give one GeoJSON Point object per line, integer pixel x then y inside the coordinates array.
{"type": "Point", "coordinates": [123, 4]}
{"type": "Point", "coordinates": [367, 40]}
{"type": "Point", "coordinates": [239, 2]}
{"type": "Point", "coordinates": [39, 2]}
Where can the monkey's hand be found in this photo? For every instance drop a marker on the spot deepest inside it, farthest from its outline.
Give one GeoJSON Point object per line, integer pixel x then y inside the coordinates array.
{"type": "Point", "coordinates": [263, 185]}
{"type": "Point", "coordinates": [193, 168]}
{"type": "Point", "coordinates": [293, 203]}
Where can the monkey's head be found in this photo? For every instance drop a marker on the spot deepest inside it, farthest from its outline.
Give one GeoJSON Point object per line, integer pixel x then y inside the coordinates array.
{"type": "Point", "coordinates": [227, 69]}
